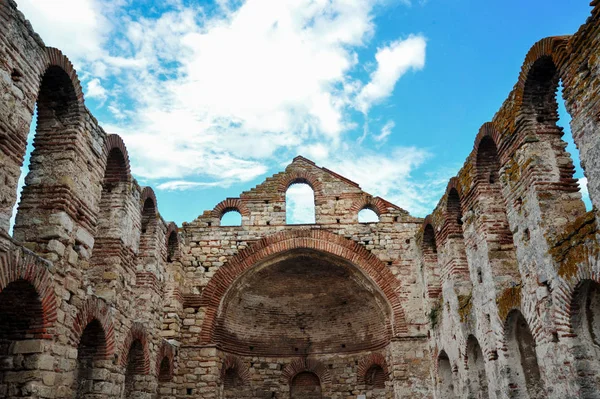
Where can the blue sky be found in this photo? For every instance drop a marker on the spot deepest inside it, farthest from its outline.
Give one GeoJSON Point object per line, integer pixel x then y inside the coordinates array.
{"type": "Point", "coordinates": [211, 97]}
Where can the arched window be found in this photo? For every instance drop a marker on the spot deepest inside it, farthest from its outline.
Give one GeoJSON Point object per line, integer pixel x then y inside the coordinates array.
{"type": "Point", "coordinates": [445, 384]}
{"type": "Point", "coordinates": [585, 319]}
{"type": "Point", "coordinates": [49, 182]}
{"type": "Point", "coordinates": [135, 369]}
{"type": "Point", "coordinates": [300, 204]}
{"type": "Point", "coordinates": [564, 121]}
{"type": "Point", "coordinates": [306, 385]}
{"type": "Point", "coordinates": [231, 217]}
{"type": "Point", "coordinates": [367, 215]}
{"type": "Point", "coordinates": [525, 372]}
{"type": "Point", "coordinates": [92, 346]}
{"type": "Point", "coordinates": [540, 112]}
{"type": "Point", "coordinates": [21, 314]}
{"type": "Point", "coordinates": [25, 170]}
{"type": "Point", "coordinates": [478, 384]}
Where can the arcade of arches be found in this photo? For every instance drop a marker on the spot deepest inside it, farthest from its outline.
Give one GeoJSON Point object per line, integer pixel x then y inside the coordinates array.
{"type": "Point", "coordinates": [495, 294]}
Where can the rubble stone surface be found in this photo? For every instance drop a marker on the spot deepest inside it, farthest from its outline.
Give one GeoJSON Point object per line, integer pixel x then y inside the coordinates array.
{"type": "Point", "coordinates": [496, 294]}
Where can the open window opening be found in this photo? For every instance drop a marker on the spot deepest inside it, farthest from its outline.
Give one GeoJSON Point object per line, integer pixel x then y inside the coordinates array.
{"type": "Point", "coordinates": [231, 217]}
{"type": "Point", "coordinates": [367, 215]}
{"type": "Point", "coordinates": [300, 204]}
{"type": "Point", "coordinates": [24, 170]}
{"type": "Point", "coordinates": [564, 121]}
{"type": "Point", "coordinates": [50, 167]}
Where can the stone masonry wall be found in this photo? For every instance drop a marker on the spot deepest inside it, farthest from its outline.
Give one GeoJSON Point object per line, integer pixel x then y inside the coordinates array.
{"type": "Point", "coordinates": [496, 294]}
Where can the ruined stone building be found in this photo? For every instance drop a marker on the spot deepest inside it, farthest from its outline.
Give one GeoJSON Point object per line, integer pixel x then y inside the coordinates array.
{"type": "Point", "coordinates": [496, 294]}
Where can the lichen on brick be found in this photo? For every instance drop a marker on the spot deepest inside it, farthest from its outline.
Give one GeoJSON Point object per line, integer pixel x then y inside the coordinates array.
{"type": "Point", "coordinates": [575, 246]}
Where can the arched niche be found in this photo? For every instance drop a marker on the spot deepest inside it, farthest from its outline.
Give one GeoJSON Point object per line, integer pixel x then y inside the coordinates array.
{"type": "Point", "coordinates": [91, 354]}
{"type": "Point", "coordinates": [492, 222]}
{"type": "Point", "coordinates": [301, 302]}
{"type": "Point", "coordinates": [444, 376]}
{"type": "Point", "coordinates": [478, 383]}
{"type": "Point", "coordinates": [21, 318]}
{"type": "Point", "coordinates": [432, 275]}
{"type": "Point", "coordinates": [305, 385]}
{"type": "Point", "coordinates": [585, 322]}
{"type": "Point", "coordinates": [525, 375]}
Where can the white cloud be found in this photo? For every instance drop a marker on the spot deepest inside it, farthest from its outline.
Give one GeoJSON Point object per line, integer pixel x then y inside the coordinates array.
{"type": "Point", "coordinates": [96, 90]}
{"type": "Point", "coordinates": [393, 61]}
{"type": "Point", "coordinates": [206, 100]}
{"type": "Point", "coordinates": [583, 186]}
{"type": "Point", "coordinates": [300, 204]}
{"type": "Point", "coordinates": [367, 216]}
{"type": "Point", "coordinates": [390, 176]}
{"type": "Point", "coordinates": [386, 130]}
{"type": "Point", "coordinates": [179, 185]}
{"type": "Point", "coordinates": [77, 27]}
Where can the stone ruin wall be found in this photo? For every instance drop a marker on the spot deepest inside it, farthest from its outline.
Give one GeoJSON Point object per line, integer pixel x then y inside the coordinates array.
{"type": "Point", "coordinates": [495, 294]}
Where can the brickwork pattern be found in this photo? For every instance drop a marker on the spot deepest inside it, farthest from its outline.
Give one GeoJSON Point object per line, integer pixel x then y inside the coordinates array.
{"type": "Point", "coordinates": [496, 294]}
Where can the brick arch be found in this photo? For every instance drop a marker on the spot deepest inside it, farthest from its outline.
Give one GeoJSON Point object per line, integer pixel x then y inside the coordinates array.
{"type": "Point", "coordinates": [428, 244]}
{"type": "Point", "coordinates": [232, 362]}
{"type": "Point", "coordinates": [298, 366]}
{"type": "Point", "coordinates": [166, 351]}
{"type": "Point", "coordinates": [230, 204]}
{"type": "Point", "coordinates": [300, 176]}
{"type": "Point", "coordinates": [15, 266]}
{"type": "Point", "coordinates": [95, 308]}
{"type": "Point", "coordinates": [55, 58]}
{"type": "Point", "coordinates": [136, 332]}
{"type": "Point", "coordinates": [148, 193]}
{"type": "Point", "coordinates": [450, 210]}
{"type": "Point", "coordinates": [375, 204]}
{"type": "Point", "coordinates": [488, 130]}
{"type": "Point", "coordinates": [533, 323]}
{"type": "Point", "coordinates": [114, 141]}
{"type": "Point", "coordinates": [374, 359]}
{"type": "Point", "coordinates": [429, 220]}
{"type": "Point", "coordinates": [565, 294]}
{"type": "Point", "coordinates": [319, 240]}
{"type": "Point", "coordinates": [554, 47]}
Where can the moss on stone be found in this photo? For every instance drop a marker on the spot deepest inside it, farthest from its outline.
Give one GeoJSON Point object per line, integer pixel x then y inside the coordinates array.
{"type": "Point", "coordinates": [575, 246]}
{"type": "Point", "coordinates": [465, 305]}
{"type": "Point", "coordinates": [508, 300]}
